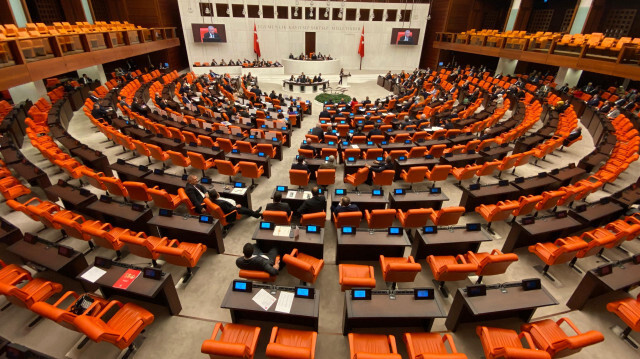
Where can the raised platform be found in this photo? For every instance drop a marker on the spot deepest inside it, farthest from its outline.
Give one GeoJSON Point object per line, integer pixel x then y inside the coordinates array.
{"type": "Point", "coordinates": [238, 70]}
{"type": "Point", "coordinates": [310, 67]}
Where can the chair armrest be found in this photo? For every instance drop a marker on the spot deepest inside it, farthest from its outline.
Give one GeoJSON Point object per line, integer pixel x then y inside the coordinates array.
{"type": "Point", "coordinates": [495, 251]}
{"type": "Point", "coordinates": [275, 350]}
{"type": "Point", "coordinates": [65, 296]}
{"type": "Point", "coordinates": [225, 349]}
{"type": "Point", "coordinates": [584, 339]}
{"type": "Point", "coordinates": [274, 334]}
{"type": "Point", "coordinates": [106, 309]}
{"type": "Point", "coordinates": [521, 353]}
{"type": "Point", "coordinates": [377, 356]}
{"type": "Point", "coordinates": [293, 261]}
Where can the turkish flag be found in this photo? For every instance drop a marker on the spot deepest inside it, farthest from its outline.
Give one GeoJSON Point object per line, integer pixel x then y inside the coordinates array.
{"type": "Point", "coordinates": [256, 44]}
{"type": "Point", "coordinates": [361, 46]}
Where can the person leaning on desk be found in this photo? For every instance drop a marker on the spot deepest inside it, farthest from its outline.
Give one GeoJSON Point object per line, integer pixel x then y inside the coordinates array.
{"type": "Point", "coordinates": [255, 259]}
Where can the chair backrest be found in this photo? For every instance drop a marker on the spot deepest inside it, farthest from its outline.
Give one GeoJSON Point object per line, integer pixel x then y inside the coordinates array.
{"type": "Point", "coordinates": [566, 252]}
{"type": "Point", "coordinates": [325, 177]}
{"type": "Point", "coordinates": [137, 191]}
{"type": "Point", "coordinates": [496, 263]}
{"type": "Point", "coordinates": [197, 160]}
{"type": "Point", "coordinates": [526, 205]}
{"type": "Point", "coordinates": [416, 217]}
{"type": "Point", "coordinates": [549, 200]}
{"type": "Point", "coordinates": [384, 178]}
{"type": "Point", "coordinates": [416, 174]}
{"type": "Point", "coordinates": [317, 219]}
{"type": "Point", "coordinates": [448, 216]}
{"type": "Point", "coordinates": [373, 153]}
{"type": "Point", "coordinates": [277, 217]}
{"type": "Point", "coordinates": [417, 152]}
{"type": "Point", "coordinates": [245, 147]}
{"type": "Point", "coordinates": [179, 159]}
{"type": "Point", "coordinates": [225, 144]}
{"type": "Point", "coordinates": [399, 269]}
{"type": "Point", "coordinates": [348, 219]}
{"type": "Point", "coordinates": [382, 218]}
{"type": "Point", "coordinates": [225, 167]}
{"type": "Point", "coordinates": [488, 168]}
{"type": "Point", "coordinates": [437, 150]}
{"type": "Point", "coordinates": [115, 186]}
{"type": "Point", "coordinates": [249, 169]}
{"type": "Point", "coordinates": [161, 198]}
{"type": "Point", "coordinates": [439, 173]}
{"type": "Point", "coordinates": [299, 177]}
{"type": "Point", "coordinates": [140, 246]}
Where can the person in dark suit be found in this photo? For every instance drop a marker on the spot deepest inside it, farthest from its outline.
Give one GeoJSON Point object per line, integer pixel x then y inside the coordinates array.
{"type": "Point", "coordinates": [324, 114]}
{"type": "Point", "coordinates": [300, 165]}
{"type": "Point", "coordinates": [228, 205]}
{"type": "Point", "coordinates": [317, 131]}
{"type": "Point", "coordinates": [211, 36]}
{"type": "Point", "coordinates": [196, 193]}
{"type": "Point", "coordinates": [407, 38]}
{"type": "Point", "coordinates": [317, 203]}
{"type": "Point", "coordinates": [378, 167]}
{"type": "Point", "coordinates": [594, 101]}
{"type": "Point", "coordinates": [256, 90]}
{"type": "Point", "coordinates": [375, 132]}
{"type": "Point", "coordinates": [277, 205]}
{"type": "Point", "coordinates": [98, 112]}
{"type": "Point", "coordinates": [255, 259]}
{"type": "Point", "coordinates": [85, 80]}
{"type": "Point", "coordinates": [406, 122]}
{"type": "Point", "coordinates": [344, 205]}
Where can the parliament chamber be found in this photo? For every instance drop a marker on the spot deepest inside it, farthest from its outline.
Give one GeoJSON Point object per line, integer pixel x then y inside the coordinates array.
{"type": "Point", "coordinates": [240, 179]}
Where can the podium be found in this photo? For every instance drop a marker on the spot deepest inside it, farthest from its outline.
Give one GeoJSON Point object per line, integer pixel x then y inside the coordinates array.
{"type": "Point", "coordinates": [345, 80]}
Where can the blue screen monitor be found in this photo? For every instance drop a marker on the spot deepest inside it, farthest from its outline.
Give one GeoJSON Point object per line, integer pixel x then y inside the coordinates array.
{"type": "Point", "coordinates": [399, 191]}
{"type": "Point", "coordinates": [331, 143]}
{"type": "Point", "coordinates": [370, 143]}
{"type": "Point", "coordinates": [423, 293]}
{"type": "Point", "coordinates": [242, 286]}
{"type": "Point", "coordinates": [345, 143]}
{"type": "Point", "coordinates": [235, 150]}
{"type": "Point", "coordinates": [341, 191]}
{"type": "Point", "coordinates": [238, 185]}
{"type": "Point", "coordinates": [361, 294]}
{"type": "Point", "coordinates": [351, 159]}
{"type": "Point", "coordinates": [304, 292]}
{"type": "Point", "coordinates": [266, 225]}
{"type": "Point", "coordinates": [430, 230]}
{"type": "Point", "coordinates": [384, 142]}
{"type": "Point", "coordinates": [261, 154]}
{"type": "Point", "coordinates": [377, 192]}
{"type": "Point", "coordinates": [281, 188]}
{"type": "Point", "coordinates": [313, 229]}
{"type": "Point", "coordinates": [252, 136]}
{"type": "Point", "coordinates": [274, 139]}
{"type": "Point", "coordinates": [348, 230]}
{"type": "Point", "coordinates": [395, 231]}
{"type": "Point", "coordinates": [205, 180]}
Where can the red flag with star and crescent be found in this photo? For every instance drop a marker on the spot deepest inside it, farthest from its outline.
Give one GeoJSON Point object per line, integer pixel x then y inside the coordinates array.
{"type": "Point", "coordinates": [256, 44]}
{"type": "Point", "coordinates": [361, 47]}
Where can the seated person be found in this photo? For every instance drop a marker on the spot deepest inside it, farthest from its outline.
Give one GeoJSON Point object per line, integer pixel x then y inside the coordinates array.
{"type": "Point", "coordinates": [379, 167]}
{"type": "Point", "coordinates": [277, 205]}
{"type": "Point", "coordinates": [300, 164]}
{"type": "Point", "coordinates": [330, 164]}
{"type": "Point", "coordinates": [317, 203]}
{"type": "Point", "coordinates": [98, 112]}
{"type": "Point", "coordinates": [255, 259]}
{"type": "Point", "coordinates": [344, 205]}
{"type": "Point", "coordinates": [375, 132]}
{"type": "Point", "coordinates": [228, 205]}
{"type": "Point", "coordinates": [196, 193]}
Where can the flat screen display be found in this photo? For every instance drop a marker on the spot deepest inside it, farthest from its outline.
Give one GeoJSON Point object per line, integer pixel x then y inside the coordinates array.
{"type": "Point", "coordinates": [405, 36]}
{"type": "Point", "coordinates": [209, 33]}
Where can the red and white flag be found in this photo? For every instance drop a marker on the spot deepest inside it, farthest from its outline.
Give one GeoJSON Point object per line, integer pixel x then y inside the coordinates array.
{"type": "Point", "coordinates": [256, 44]}
{"type": "Point", "coordinates": [361, 46]}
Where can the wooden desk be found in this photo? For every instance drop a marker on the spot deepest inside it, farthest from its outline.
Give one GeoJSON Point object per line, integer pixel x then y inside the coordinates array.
{"type": "Point", "coordinates": [446, 242]}
{"type": "Point", "coordinates": [265, 162]}
{"type": "Point", "coordinates": [417, 199]}
{"type": "Point", "coordinates": [189, 230]}
{"type": "Point", "coordinates": [364, 200]}
{"type": "Point", "coordinates": [363, 246]}
{"type": "Point", "coordinates": [48, 257]}
{"type": "Point", "coordinates": [627, 197]}
{"type": "Point", "coordinates": [527, 143]}
{"type": "Point", "coordinates": [381, 311]}
{"type": "Point", "coordinates": [31, 173]}
{"type": "Point", "coordinates": [92, 159]}
{"type": "Point", "coordinates": [9, 234]}
{"type": "Point", "coordinates": [413, 162]}
{"type": "Point", "coordinates": [276, 144]}
{"type": "Point", "coordinates": [206, 152]}
{"type": "Point", "coordinates": [592, 285]}
{"type": "Point", "coordinates": [397, 146]}
{"type": "Point", "coordinates": [70, 197]}
{"type": "Point", "coordinates": [543, 230]}
{"type": "Point", "coordinates": [460, 159]}
{"type": "Point", "coordinates": [303, 312]}
{"type": "Point", "coordinates": [119, 215]}
{"type": "Point", "coordinates": [162, 292]}
{"type": "Point", "coordinates": [138, 133]}
{"type": "Point", "coordinates": [567, 176]}
{"type": "Point", "coordinates": [129, 172]}
{"type": "Point", "coordinates": [536, 185]}
{"type": "Point", "coordinates": [515, 303]}
{"type": "Point", "coordinates": [487, 195]}
{"type": "Point", "coordinates": [598, 214]}
{"type": "Point", "coordinates": [307, 243]}
{"type": "Point", "coordinates": [167, 144]}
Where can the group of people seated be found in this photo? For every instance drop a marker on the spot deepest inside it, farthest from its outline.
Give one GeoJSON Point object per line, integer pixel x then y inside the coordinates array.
{"type": "Point", "coordinates": [312, 56]}
{"type": "Point", "coordinates": [244, 63]}
{"type": "Point", "coordinates": [302, 78]}
{"type": "Point", "coordinates": [197, 193]}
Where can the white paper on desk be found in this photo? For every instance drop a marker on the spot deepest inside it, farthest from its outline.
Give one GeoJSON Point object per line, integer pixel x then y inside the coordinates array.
{"type": "Point", "coordinates": [282, 231]}
{"type": "Point", "coordinates": [93, 274]}
{"type": "Point", "coordinates": [264, 299]}
{"type": "Point", "coordinates": [285, 301]}
{"type": "Point", "coordinates": [355, 146]}
{"type": "Point", "coordinates": [239, 191]}
{"type": "Point", "coordinates": [291, 194]}
{"type": "Point", "coordinates": [306, 195]}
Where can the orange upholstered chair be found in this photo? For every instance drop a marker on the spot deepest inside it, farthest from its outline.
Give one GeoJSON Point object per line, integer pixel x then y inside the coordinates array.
{"type": "Point", "coordinates": [417, 152]}
{"type": "Point", "coordinates": [105, 235]}
{"type": "Point", "coordinates": [292, 344]}
{"type": "Point", "coordinates": [325, 177]}
{"type": "Point", "coordinates": [438, 173]}
{"type": "Point", "coordinates": [277, 217]}
{"type": "Point", "coordinates": [138, 191]}
{"type": "Point", "coordinates": [267, 149]}
{"type": "Point", "coordinates": [316, 219]}
{"type": "Point", "coordinates": [497, 212]}
{"type": "Point", "coordinates": [548, 336]}
{"type": "Point", "coordinates": [399, 269]}
{"type": "Point", "coordinates": [245, 147]}
{"type": "Point", "coordinates": [257, 275]}
{"type": "Point", "coordinates": [465, 173]}
{"type": "Point", "coordinates": [36, 290]}
{"type": "Point", "coordinates": [487, 169]}
{"type": "Point", "coordinates": [450, 268]}
{"type": "Point", "coordinates": [414, 218]}
{"type": "Point", "coordinates": [506, 343]}
{"type": "Point", "coordinates": [182, 254]}
{"type": "Point", "coordinates": [227, 168]}
{"type": "Point", "coordinates": [355, 276]}
{"type": "Point", "coordinates": [179, 159]}
{"type": "Point", "coordinates": [431, 345]}
{"type": "Point", "coordinates": [299, 178]}
{"type": "Point", "coordinates": [549, 200]}
{"type": "Point", "coordinates": [198, 161]}
{"type": "Point", "coordinates": [115, 186]}
{"type": "Point", "coordinates": [250, 170]}
{"type": "Point", "coordinates": [357, 178]}
{"type": "Point", "coordinates": [380, 218]}
{"type": "Point", "coordinates": [347, 219]}
{"type": "Point", "coordinates": [437, 150]}
{"type": "Point", "coordinates": [384, 178]}
{"type": "Point", "coordinates": [63, 315]}
{"type": "Point", "coordinates": [447, 216]}
{"type": "Point", "coordinates": [11, 274]}
{"type": "Point", "coordinates": [415, 175]}
{"type": "Point", "coordinates": [492, 263]}
{"type": "Point", "coordinates": [121, 329]}
{"type": "Point", "coordinates": [163, 199]}
{"type": "Point", "coordinates": [371, 346]}
{"type": "Point", "coordinates": [303, 266]}
{"type": "Point", "coordinates": [561, 251]}
{"type": "Point", "coordinates": [597, 240]}
{"type": "Point", "coordinates": [628, 310]}
{"type": "Point", "coordinates": [526, 205]}
{"type": "Point", "coordinates": [144, 246]}
{"type": "Point", "coordinates": [623, 230]}
{"type": "Point", "coordinates": [217, 213]}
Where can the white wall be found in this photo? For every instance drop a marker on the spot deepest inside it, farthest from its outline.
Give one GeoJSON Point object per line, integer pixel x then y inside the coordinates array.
{"type": "Point", "coordinates": [280, 37]}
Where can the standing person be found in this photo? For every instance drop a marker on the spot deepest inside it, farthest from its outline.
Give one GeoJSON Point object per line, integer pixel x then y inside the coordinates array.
{"type": "Point", "coordinates": [341, 75]}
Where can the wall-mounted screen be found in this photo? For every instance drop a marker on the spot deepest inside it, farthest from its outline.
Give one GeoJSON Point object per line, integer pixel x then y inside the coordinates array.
{"type": "Point", "coordinates": [209, 33]}
{"type": "Point", "coordinates": [404, 36]}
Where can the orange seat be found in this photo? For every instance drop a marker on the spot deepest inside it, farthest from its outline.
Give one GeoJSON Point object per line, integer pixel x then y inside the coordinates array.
{"type": "Point", "coordinates": [628, 310]}
{"type": "Point", "coordinates": [316, 219]}
{"type": "Point", "coordinates": [306, 153]}
{"type": "Point", "coordinates": [465, 173]}
{"type": "Point", "coordinates": [198, 161]}
{"type": "Point", "coordinates": [179, 159]}
{"type": "Point", "coordinates": [497, 212]}
{"type": "Point", "coordinates": [157, 153]}
{"type": "Point", "coordinates": [414, 218]}
{"type": "Point", "coordinates": [299, 178]}
{"type": "Point", "coordinates": [267, 149]}
{"type": "Point", "coordinates": [105, 235]}
{"type": "Point", "coordinates": [399, 269]}
{"type": "Point", "coordinates": [561, 251]}
{"type": "Point", "coordinates": [11, 274]}
{"type": "Point", "coordinates": [549, 200]}
{"type": "Point", "coordinates": [447, 216]}
{"type": "Point", "coordinates": [373, 153]}
{"type": "Point", "coordinates": [257, 275]}
{"type": "Point", "coordinates": [438, 173]}
{"type": "Point", "coordinates": [182, 254]}
{"type": "Point", "coordinates": [121, 329]}
{"type": "Point", "coordinates": [431, 346]}
{"type": "Point", "coordinates": [548, 336]}
{"type": "Point", "coordinates": [143, 246]}
{"type": "Point", "coordinates": [437, 150]}
{"type": "Point", "coordinates": [380, 218]}
{"type": "Point", "coordinates": [370, 346]}
{"type": "Point", "coordinates": [384, 178]}
{"type": "Point", "coordinates": [138, 191]}
{"type": "Point", "coordinates": [487, 169]}
{"type": "Point", "coordinates": [506, 343]}
{"type": "Point", "coordinates": [324, 177]}
{"type": "Point", "coordinates": [450, 268]}
{"type": "Point", "coordinates": [357, 178]}
{"type": "Point", "coordinates": [163, 199]}
{"type": "Point", "coordinates": [216, 212]}
{"type": "Point", "coordinates": [347, 219]}
{"type": "Point", "coordinates": [236, 341]}
{"type": "Point", "coordinates": [115, 186]}
{"type": "Point", "coordinates": [303, 266]}
{"type": "Point", "coordinates": [36, 290]}
{"type": "Point", "coordinates": [624, 231]}
{"type": "Point", "coordinates": [356, 276]}
{"type": "Point", "coordinates": [227, 168]}
{"type": "Point", "coordinates": [492, 263]}
{"type": "Point", "coordinates": [245, 147]}
{"type": "Point", "coordinates": [526, 205]}
{"type": "Point", "coordinates": [64, 315]}
{"type": "Point", "coordinates": [415, 175]}
{"type": "Point", "coordinates": [250, 170]}
{"type": "Point", "coordinates": [291, 344]}
{"type": "Point", "coordinates": [277, 217]}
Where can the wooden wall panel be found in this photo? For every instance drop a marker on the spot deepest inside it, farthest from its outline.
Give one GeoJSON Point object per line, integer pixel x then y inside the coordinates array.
{"type": "Point", "coordinates": [438, 23]}
{"type": "Point", "coordinates": [459, 15]}
{"type": "Point", "coordinates": [6, 15]}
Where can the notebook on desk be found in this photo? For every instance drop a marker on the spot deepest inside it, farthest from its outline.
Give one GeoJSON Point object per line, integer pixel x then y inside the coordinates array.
{"type": "Point", "coordinates": [126, 279]}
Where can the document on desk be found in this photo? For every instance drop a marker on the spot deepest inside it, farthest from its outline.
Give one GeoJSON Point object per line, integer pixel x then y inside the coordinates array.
{"type": "Point", "coordinates": [282, 231]}
{"type": "Point", "coordinates": [264, 299]}
{"type": "Point", "coordinates": [306, 195]}
{"type": "Point", "coordinates": [239, 191]}
{"type": "Point", "coordinates": [285, 301]}
{"type": "Point", "coordinates": [93, 274]}
{"type": "Point", "coordinates": [355, 146]}
{"type": "Point", "coordinates": [291, 194]}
